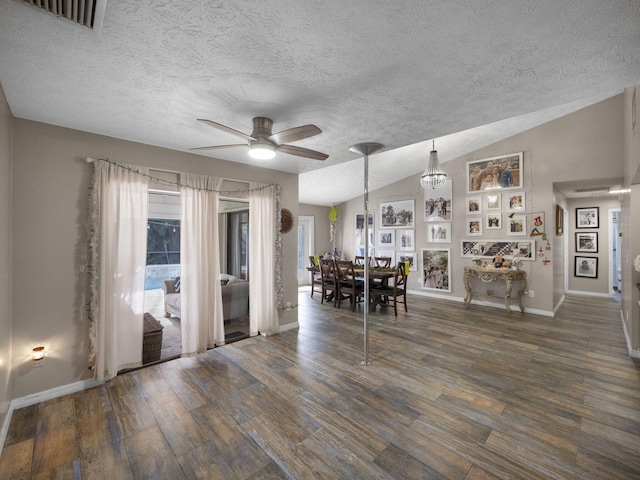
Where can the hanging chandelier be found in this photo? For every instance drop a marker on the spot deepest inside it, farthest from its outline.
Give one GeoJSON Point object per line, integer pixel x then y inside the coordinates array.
{"type": "Point", "coordinates": [433, 177]}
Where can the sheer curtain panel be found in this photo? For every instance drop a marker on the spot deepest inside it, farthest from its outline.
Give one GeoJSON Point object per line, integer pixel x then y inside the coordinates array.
{"type": "Point", "coordinates": [263, 310]}
{"type": "Point", "coordinates": [201, 295]}
{"type": "Point", "coordinates": [120, 237]}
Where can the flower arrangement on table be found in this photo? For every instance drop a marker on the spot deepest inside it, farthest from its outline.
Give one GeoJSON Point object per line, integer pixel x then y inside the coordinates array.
{"type": "Point", "coordinates": [636, 263]}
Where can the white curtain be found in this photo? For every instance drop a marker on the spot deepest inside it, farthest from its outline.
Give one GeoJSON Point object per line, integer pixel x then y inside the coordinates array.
{"type": "Point", "coordinates": [201, 296]}
{"type": "Point", "coordinates": [120, 232]}
{"type": "Point", "coordinates": [263, 310]}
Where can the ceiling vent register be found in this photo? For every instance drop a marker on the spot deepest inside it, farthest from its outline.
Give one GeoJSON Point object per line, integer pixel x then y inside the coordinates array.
{"type": "Point", "coordinates": [88, 13]}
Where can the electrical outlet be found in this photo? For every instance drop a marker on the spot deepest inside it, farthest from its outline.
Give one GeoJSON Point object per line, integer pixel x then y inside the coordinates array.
{"type": "Point", "coordinates": [38, 363]}
{"type": "Point", "coordinates": [530, 293]}
{"type": "Point", "coordinates": [288, 306]}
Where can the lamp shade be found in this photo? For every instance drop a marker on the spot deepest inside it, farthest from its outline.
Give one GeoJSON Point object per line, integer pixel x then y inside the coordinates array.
{"type": "Point", "coordinates": [433, 177]}
{"type": "Point", "coordinates": [37, 353]}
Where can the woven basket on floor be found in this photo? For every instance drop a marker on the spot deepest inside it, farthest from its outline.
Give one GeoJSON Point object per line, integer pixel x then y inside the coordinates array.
{"type": "Point", "coordinates": [152, 339]}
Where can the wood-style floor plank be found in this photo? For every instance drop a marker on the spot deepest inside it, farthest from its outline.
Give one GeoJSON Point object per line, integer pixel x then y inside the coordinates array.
{"type": "Point", "coordinates": [451, 393]}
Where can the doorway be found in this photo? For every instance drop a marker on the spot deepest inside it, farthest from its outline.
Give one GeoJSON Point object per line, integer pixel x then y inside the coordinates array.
{"type": "Point", "coordinates": [306, 246]}
{"type": "Point", "coordinates": [615, 241]}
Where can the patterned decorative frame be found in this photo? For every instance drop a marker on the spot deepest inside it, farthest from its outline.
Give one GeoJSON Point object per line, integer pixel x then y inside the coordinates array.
{"type": "Point", "coordinates": [523, 249]}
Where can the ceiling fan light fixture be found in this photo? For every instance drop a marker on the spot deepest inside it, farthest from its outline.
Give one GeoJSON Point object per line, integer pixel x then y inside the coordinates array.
{"type": "Point", "coordinates": [433, 177]}
{"type": "Point", "coordinates": [262, 150]}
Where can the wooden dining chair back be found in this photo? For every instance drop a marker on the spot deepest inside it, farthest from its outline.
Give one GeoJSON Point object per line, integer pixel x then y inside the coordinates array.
{"type": "Point", "coordinates": [316, 275]}
{"type": "Point", "coordinates": [350, 286]}
{"type": "Point", "coordinates": [359, 260]}
{"type": "Point", "coordinates": [396, 293]}
{"type": "Point", "coordinates": [330, 284]}
{"type": "Point", "coordinates": [382, 262]}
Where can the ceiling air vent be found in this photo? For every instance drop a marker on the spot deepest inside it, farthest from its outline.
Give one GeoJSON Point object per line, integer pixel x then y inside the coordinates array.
{"type": "Point", "coordinates": [88, 13]}
{"type": "Point", "coordinates": [592, 189]}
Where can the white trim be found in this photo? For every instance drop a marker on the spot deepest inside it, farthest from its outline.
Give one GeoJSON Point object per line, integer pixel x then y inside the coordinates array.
{"type": "Point", "coordinates": [589, 294]}
{"type": "Point", "coordinates": [288, 326]}
{"type": "Point", "coordinates": [43, 396]}
{"type": "Point", "coordinates": [514, 307]}
{"type": "Point", "coordinates": [560, 302]}
{"type": "Point", "coordinates": [632, 353]}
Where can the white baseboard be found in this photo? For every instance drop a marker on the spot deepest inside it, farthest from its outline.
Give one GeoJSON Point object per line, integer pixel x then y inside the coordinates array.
{"type": "Point", "coordinates": [288, 326]}
{"type": "Point", "coordinates": [34, 398]}
{"type": "Point", "coordinates": [632, 353]}
{"type": "Point", "coordinates": [534, 311]}
{"type": "Point", "coordinates": [589, 294]}
{"type": "Point", "coordinates": [560, 302]}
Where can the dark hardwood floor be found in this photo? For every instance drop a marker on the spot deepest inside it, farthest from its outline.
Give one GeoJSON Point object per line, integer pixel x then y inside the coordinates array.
{"type": "Point", "coordinates": [451, 393]}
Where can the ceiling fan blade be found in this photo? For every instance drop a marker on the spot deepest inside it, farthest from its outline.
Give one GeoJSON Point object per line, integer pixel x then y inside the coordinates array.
{"type": "Point", "coordinates": [224, 128]}
{"type": "Point", "coordinates": [302, 152]}
{"type": "Point", "coordinates": [218, 147]}
{"type": "Point", "coordinates": [294, 134]}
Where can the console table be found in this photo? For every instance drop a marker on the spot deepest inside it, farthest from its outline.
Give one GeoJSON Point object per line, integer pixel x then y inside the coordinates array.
{"type": "Point", "coordinates": [488, 275]}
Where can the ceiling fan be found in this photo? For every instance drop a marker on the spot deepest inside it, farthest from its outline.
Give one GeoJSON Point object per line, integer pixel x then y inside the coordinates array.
{"type": "Point", "coordinates": [263, 144]}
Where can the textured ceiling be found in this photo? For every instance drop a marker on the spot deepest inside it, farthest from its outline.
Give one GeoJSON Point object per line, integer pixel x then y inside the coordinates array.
{"type": "Point", "coordinates": [467, 72]}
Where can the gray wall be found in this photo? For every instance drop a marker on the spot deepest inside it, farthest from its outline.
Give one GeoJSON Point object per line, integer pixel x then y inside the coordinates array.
{"type": "Point", "coordinates": [570, 148]}
{"type": "Point", "coordinates": [6, 122]}
{"type": "Point", "coordinates": [321, 225]}
{"type": "Point", "coordinates": [51, 184]}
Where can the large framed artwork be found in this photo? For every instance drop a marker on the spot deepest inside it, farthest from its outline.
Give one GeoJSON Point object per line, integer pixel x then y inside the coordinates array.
{"type": "Point", "coordinates": [587, 217]}
{"type": "Point", "coordinates": [487, 249]}
{"type": "Point", "coordinates": [397, 214]}
{"type": "Point", "coordinates": [438, 203]}
{"type": "Point", "coordinates": [495, 173]}
{"type": "Point", "coordinates": [586, 267]}
{"type": "Point", "coordinates": [435, 269]}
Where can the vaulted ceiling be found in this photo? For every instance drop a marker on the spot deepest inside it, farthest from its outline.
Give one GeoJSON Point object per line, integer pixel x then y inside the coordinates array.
{"type": "Point", "coordinates": [466, 72]}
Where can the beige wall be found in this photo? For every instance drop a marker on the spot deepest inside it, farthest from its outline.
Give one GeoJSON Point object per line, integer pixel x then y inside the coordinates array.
{"type": "Point", "coordinates": [51, 184]}
{"type": "Point", "coordinates": [570, 148]}
{"type": "Point", "coordinates": [321, 225]}
{"type": "Point", "coordinates": [6, 122]}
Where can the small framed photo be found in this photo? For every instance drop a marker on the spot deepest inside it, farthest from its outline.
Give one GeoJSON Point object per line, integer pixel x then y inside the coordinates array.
{"type": "Point", "coordinates": [516, 202]}
{"type": "Point", "coordinates": [586, 267]}
{"type": "Point", "coordinates": [587, 217]}
{"type": "Point", "coordinates": [474, 227]}
{"type": "Point", "coordinates": [438, 203]}
{"type": "Point", "coordinates": [386, 238]}
{"type": "Point", "coordinates": [435, 269]}
{"type": "Point", "coordinates": [361, 231]}
{"type": "Point", "coordinates": [439, 232]}
{"type": "Point", "coordinates": [517, 225]}
{"type": "Point", "coordinates": [494, 201]}
{"type": "Point", "coordinates": [409, 257]}
{"type": "Point", "coordinates": [405, 240]}
{"type": "Point", "coordinates": [587, 242]}
{"type": "Point", "coordinates": [494, 221]}
{"type": "Point", "coordinates": [474, 205]}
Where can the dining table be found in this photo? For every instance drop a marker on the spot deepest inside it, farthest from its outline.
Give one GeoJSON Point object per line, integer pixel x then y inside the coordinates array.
{"type": "Point", "coordinates": [376, 273]}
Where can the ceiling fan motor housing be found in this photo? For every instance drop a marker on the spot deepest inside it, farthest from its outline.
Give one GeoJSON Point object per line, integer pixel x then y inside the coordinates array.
{"type": "Point", "coordinates": [261, 128]}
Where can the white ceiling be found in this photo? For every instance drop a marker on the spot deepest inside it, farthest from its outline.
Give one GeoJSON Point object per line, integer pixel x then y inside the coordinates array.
{"type": "Point", "coordinates": [466, 72]}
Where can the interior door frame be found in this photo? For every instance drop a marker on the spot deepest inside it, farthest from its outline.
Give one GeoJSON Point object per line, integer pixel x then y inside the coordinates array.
{"type": "Point", "coordinates": [305, 247]}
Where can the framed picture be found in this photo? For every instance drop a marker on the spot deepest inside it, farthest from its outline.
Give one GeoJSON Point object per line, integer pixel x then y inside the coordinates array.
{"type": "Point", "coordinates": [360, 251]}
{"type": "Point", "coordinates": [474, 205]}
{"type": "Point", "coordinates": [435, 269]}
{"type": "Point", "coordinates": [439, 232]}
{"type": "Point", "coordinates": [474, 227]}
{"type": "Point", "coordinates": [405, 240]}
{"type": "Point", "coordinates": [586, 267]}
{"type": "Point", "coordinates": [517, 225]}
{"type": "Point", "coordinates": [438, 203]}
{"type": "Point", "coordinates": [397, 214]}
{"type": "Point", "coordinates": [587, 217]}
{"type": "Point", "coordinates": [559, 220]}
{"type": "Point", "coordinates": [386, 238]}
{"type": "Point", "coordinates": [587, 242]}
{"type": "Point", "coordinates": [387, 253]}
{"type": "Point", "coordinates": [360, 229]}
{"type": "Point", "coordinates": [409, 257]}
{"type": "Point", "coordinates": [494, 201]}
{"type": "Point", "coordinates": [487, 249]}
{"type": "Point", "coordinates": [494, 221]}
{"type": "Point", "coordinates": [516, 202]}
{"type": "Point", "coordinates": [501, 173]}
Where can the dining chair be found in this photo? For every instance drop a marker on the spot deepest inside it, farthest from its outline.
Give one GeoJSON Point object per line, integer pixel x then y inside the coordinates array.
{"type": "Point", "coordinates": [349, 285]}
{"type": "Point", "coordinates": [316, 275]}
{"type": "Point", "coordinates": [330, 285]}
{"type": "Point", "coordinates": [396, 293]}
{"type": "Point", "coordinates": [382, 262]}
{"type": "Point", "coordinates": [359, 260]}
